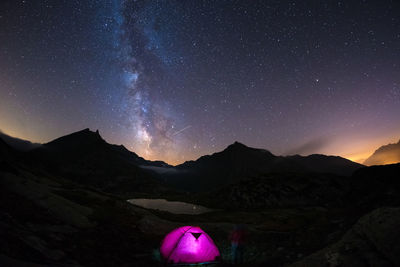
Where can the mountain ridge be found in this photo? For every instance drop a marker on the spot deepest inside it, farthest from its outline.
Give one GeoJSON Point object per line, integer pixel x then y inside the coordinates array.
{"type": "Point", "coordinates": [94, 136]}
{"type": "Point", "coordinates": [237, 147]}
{"type": "Point", "coordinates": [89, 139]}
{"type": "Point", "coordinates": [386, 154]}
{"type": "Point", "coordinates": [238, 161]}
{"type": "Point", "coordinates": [85, 157]}
{"type": "Point", "coordinates": [85, 151]}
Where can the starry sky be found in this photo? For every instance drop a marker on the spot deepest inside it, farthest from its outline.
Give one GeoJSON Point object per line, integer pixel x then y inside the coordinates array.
{"type": "Point", "coordinates": [174, 80]}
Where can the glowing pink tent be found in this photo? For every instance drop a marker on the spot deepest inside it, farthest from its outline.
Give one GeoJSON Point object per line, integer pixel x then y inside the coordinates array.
{"type": "Point", "coordinates": [188, 245]}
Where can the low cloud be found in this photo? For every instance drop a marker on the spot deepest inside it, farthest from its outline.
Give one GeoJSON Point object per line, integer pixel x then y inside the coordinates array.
{"type": "Point", "coordinates": [160, 170]}
{"type": "Point", "coordinates": [311, 147]}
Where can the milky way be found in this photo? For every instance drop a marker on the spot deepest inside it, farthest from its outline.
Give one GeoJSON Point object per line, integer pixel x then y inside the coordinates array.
{"type": "Point", "coordinates": [174, 80]}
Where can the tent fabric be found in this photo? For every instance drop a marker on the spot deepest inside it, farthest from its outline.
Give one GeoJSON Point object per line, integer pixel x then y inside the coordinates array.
{"type": "Point", "coordinates": [188, 245]}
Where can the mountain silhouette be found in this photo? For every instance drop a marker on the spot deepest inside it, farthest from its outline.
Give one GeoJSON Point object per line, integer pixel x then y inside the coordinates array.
{"type": "Point", "coordinates": [7, 153]}
{"type": "Point", "coordinates": [239, 161]}
{"type": "Point", "coordinates": [85, 143]}
{"type": "Point", "coordinates": [5, 149]}
{"type": "Point", "coordinates": [86, 157]}
{"type": "Point", "coordinates": [385, 155]}
{"type": "Point", "coordinates": [67, 198]}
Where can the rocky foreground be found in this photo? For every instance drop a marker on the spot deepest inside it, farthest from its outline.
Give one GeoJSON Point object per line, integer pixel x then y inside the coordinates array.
{"type": "Point", "coordinates": [58, 214]}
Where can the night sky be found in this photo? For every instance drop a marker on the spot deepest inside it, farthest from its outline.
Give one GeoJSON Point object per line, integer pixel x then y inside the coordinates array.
{"type": "Point", "coordinates": [174, 80]}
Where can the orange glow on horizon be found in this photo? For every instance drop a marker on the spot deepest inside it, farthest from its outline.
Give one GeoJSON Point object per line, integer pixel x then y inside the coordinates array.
{"type": "Point", "coordinates": [354, 148]}
{"type": "Point", "coordinates": [363, 151]}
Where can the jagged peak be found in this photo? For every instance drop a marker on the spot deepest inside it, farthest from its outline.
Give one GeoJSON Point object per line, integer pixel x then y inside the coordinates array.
{"type": "Point", "coordinates": [85, 134]}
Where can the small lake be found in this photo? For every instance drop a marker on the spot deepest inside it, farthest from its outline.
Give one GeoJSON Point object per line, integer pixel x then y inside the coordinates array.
{"type": "Point", "coordinates": [175, 207]}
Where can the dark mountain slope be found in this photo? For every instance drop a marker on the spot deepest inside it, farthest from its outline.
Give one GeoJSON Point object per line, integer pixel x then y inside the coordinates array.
{"type": "Point", "coordinates": [238, 161]}
{"type": "Point", "coordinates": [81, 143]}
{"type": "Point", "coordinates": [5, 150]}
{"type": "Point", "coordinates": [326, 164]}
{"type": "Point", "coordinates": [86, 158]}
{"type": "Point", "coordinates": [8, 155]}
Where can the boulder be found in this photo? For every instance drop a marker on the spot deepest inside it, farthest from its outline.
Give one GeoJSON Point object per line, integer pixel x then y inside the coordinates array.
{"type": "Point", "coordinates": [372, 241]}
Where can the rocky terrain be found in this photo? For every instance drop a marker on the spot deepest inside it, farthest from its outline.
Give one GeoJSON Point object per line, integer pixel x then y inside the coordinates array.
{"type": "Point", "coordinates": [372, 241]}
{"type": "Point", "coordinates": [64, 204]}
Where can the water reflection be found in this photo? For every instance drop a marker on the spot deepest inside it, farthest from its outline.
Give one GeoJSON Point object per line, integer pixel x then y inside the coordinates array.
{"type": "Point", "coordinates": [175, 207]}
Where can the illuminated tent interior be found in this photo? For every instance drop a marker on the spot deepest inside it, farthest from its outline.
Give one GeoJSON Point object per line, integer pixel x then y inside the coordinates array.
{"type": "Point", "coordinates": [188, 245]}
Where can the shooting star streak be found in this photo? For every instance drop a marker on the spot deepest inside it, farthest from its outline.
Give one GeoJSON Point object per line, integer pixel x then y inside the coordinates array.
{"type": "Point", "coordinates": [184, 129]}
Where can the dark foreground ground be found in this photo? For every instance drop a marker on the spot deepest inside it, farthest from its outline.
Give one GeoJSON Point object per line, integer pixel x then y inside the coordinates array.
{"type": "Point", "coordinates": [50, 217]}
{"type": "Point", "coordinates": [45, 220]}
